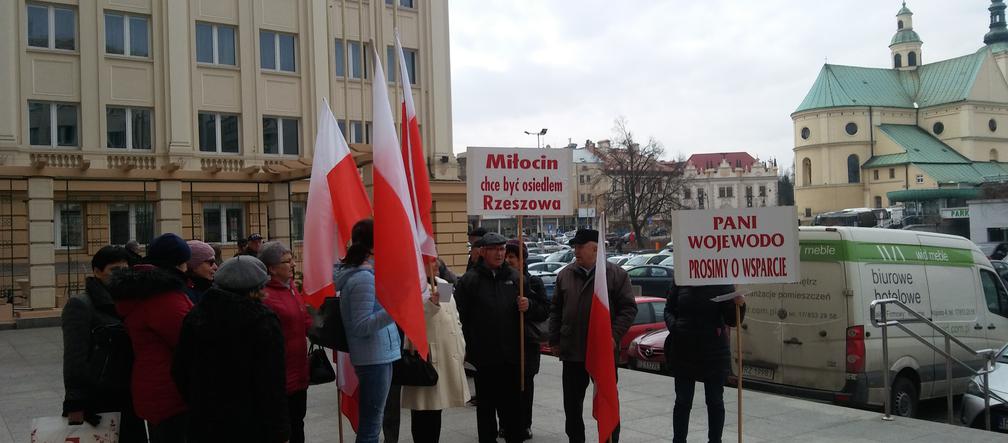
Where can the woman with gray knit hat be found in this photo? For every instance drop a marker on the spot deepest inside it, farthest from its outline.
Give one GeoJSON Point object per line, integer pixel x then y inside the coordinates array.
{"type": "Point", "coordinates": [229, 364]}
{"type": "Point", "coordinates": [283, 297]}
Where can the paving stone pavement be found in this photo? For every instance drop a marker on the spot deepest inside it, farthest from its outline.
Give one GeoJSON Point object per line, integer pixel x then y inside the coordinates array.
{"type": "Point", "coordinates": [31, 385]}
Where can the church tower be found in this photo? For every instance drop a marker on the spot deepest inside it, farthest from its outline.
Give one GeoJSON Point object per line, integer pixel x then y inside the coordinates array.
{"type": "Point", "coordinates": [998, 30]}
{"type": "Point", "coordinates": [906, 44]}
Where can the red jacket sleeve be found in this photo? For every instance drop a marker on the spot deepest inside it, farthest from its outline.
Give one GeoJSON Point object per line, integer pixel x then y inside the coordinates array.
{"type": "Point", "coordinates": [168, 311]}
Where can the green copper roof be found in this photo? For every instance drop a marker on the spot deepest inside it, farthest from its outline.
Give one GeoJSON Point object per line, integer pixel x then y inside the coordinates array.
{"type": "Point", "coordinates": [879, 161]}
{"type": "Point", "coordinates": [904, 10]}
{"type": "Point", "coordinates": [922, 147]}
{"type": "Point", "coordinates": [905, 36]}
{"type": "Point", "coordinates": [958, 173]}
{"type": "Point", "coordinates": [947, 81]}
{"type": "Point", "coordinates": [932, 194]}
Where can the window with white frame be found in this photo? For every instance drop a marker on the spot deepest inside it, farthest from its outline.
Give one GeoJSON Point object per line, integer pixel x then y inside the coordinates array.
{"type": "Point", "coordinates": [52, 27]}
{"type": "Point", "coordinates": [127, 34]}
{"type": "Point", "coordinates": [357, 60]}
{"type": "Point", "coordinates": [360, 132]}
{"type": "Point", "coordinates": [276, 51]}
{"type": "Point", "coordinates": [128, 128]}
{"type": "Point", "coordinates": [297, 220]}
{"type": "Point", "coordinates": [402, 3]}
{"type": "Point", "coordinates": [410, 55]}
{"type": "Point", "coordinates": [131, 221]}
{"type": "Point", "coordinates": [280, 135]}
{"type": "Point", "coordinates": [52, 124]}
{"type": "Point", "coordinates": [215, 44]}
{"type": "Point", "coordinates": [218, 132]}
{"type": "Point", "coordinates": [920, 179]}
{"type": "Point", "coordinates": [726, 191]}
{"type": "Point", "coordinates": [762, 191]}
{"type": "Point", "coordinates": [223, 222]}
{"type": "Point", "coordinates": [69, 225]}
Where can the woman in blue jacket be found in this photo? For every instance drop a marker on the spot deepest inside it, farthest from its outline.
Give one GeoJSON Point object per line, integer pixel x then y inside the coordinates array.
{"type": "Point", "coordinates": [371, 333]}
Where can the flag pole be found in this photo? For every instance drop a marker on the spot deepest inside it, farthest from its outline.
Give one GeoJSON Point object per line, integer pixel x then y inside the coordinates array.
{"type": "Point", "coordinates": [339, 396]}
{"type": "Point", "coordinates": [521, 315]}
{"type": "Point", "coordinates": [738, 345]}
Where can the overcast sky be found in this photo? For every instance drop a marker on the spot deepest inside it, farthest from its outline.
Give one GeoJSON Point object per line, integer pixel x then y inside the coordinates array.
{"type": "Point", "coordinates": [699, 76]}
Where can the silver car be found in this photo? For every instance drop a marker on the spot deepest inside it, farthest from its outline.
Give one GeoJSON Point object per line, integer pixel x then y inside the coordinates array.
{"type": "Point", "coordinates": [973, 400]}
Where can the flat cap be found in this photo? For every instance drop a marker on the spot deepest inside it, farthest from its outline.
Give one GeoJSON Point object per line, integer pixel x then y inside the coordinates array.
{"type": "Point", "coordinates": [491, 239]}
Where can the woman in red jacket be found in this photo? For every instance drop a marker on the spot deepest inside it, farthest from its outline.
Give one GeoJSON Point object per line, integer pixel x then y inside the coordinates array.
{"type": "Point", "coordinates": [284, 299]}
{"type": "Point", "coordinates": [151, 299]}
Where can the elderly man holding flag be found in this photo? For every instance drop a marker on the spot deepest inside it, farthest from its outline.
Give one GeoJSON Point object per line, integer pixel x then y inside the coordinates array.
{"type": "Point", "coordinates": [593, 307]}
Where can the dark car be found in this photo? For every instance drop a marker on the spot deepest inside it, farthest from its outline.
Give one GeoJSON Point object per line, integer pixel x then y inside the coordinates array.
{"type": "Point", "coordinates": [647, 352]}
{"type": "Point", "coordinates": [653, 280]}
{"type": "Point", "coordinates": [649, 318]}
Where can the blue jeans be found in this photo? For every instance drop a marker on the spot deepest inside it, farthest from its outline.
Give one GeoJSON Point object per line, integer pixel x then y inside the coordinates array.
{"type": "Point", "coordinates": [374, 382]}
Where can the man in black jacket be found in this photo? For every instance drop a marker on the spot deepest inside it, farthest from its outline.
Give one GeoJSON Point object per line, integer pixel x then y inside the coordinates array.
{"type": "Point", "coordinates": [92, 329]}
{"type": "Point", "coordinates": [489, 304]}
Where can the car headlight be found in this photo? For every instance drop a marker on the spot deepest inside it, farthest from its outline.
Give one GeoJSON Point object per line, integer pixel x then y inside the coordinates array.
{"type": "Point", "coordinates": [974, 388]}
{"type": "Point", "coordinates": [632, 349]}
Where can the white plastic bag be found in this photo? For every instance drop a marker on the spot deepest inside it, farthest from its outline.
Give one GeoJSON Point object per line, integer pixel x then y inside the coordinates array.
{"type": "Point", "coordinates": [57, 430]}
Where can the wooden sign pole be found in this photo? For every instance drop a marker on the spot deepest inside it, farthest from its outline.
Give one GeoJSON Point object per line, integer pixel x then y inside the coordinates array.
{"type": "Point", "coordinates": [339, 396]}
{"type": "Point", "coordinates": [738, 346]}
{"type": "Point", "coordinates": [521, 315]}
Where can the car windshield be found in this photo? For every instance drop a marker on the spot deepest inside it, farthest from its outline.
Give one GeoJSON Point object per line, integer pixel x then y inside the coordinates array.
{"type": "Point", "coordinates": [558, 256]}
{"type": "Point", "coordinates": [1003, 357]}
{"type": "Point", "coordinates": [669, 261]}
{"type": "Point", "coordinates": [637, 260]}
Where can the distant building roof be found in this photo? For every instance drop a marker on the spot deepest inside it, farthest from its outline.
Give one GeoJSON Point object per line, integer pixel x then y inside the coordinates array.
{"type": "Point", "coordinates": [582, 155]}
{"type": "Point", "coordinates": [938, 160]}
{"type": "Point", "coordinates": [713, 160]}
{"type": "Point", "coordinates": [947, 81]}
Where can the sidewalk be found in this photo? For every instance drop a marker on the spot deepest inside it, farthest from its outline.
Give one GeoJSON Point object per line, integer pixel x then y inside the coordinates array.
{"type": "Point", "coordinates": [31, 385]}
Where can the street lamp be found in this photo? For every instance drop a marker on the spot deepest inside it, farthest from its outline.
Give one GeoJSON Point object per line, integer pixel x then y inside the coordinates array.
{"type": "Point", "coordinates": [537, 134]}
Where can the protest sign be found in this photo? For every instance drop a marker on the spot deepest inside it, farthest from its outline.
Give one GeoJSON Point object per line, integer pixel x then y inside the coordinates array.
{"type": "Point", "coordinates": [519, 181]}
{"type": "Point", "coordinates": [735, 246]}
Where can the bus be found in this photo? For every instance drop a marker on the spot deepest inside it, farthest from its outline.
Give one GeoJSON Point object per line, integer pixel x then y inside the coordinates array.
{"type": "Point", "coordinates": [858, 217]}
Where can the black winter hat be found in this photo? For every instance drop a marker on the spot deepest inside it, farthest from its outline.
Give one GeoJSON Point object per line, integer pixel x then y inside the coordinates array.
{"type": "Point", "coordinates": [168, 250]}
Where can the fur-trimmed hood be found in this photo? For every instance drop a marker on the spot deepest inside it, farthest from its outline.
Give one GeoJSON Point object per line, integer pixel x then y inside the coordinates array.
{"type": "Point", "coordinates": [131, 286]}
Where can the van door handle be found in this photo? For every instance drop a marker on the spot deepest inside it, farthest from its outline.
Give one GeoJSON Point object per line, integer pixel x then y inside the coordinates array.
{"type": "Point", "coordinates": [793, 341]}
{"type": "Point", "coordinates": [991, 326]}
{"type": "Point", "coordinates": [977, 326]}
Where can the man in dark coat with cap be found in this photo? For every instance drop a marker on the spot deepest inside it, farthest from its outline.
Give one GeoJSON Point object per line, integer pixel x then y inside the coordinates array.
{"type": "Point", "coordinates": [474, 251]}
{"type": "Point", "coordinates": [568, 322]}
{"type": "Point", "coordinates": [489, 304]}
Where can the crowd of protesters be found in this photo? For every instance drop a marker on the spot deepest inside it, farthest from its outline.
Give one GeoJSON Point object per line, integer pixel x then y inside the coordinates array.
{"type": "Point", "coordinates": [191, 349]}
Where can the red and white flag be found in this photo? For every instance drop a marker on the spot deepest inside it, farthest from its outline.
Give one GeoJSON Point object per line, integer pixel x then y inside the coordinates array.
{"type": "Point", "coordinates": [336, 201]}
{"type": "Point", "coordinates": [413, 158]}
{"type": "Point", "coordinates": [599, 357]}
{"type": "Point", "coordinates": [400, 278]}
{"type": "Point", "coordinates": [348, 392]}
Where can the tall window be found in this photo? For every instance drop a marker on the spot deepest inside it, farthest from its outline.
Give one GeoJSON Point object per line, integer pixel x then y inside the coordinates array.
{"type": "Point", "coordinates": [687, 193]}
{"type": "Point", "coordinates": [128, 128]}
{"type": "Point", "coordinates": [280, 135]}
{"type": "Point", "coordinates": [806, 172]}
{"type": "Point", "coordinates": [223, 222]}
{"type": "Point", "coordinates": [340, 58]}
{"type": "Point", "coordinates": [131, 221]}
{"type": "Point", "coordinates": [69, 225]}
{"type": "Point", "coordinates": [762, 191]}
{"type": "Point", "coordinates": [52, 27]}
{"type": "Point", "coordinates": [297, 220]}
{"type": "Point", "coordinates": [42, 131]}
{"type": "Point", "coordinates": [276, 51]}
{"type": "Point", "coordinates": [215, 44]}
{"type": "Point", "coordinates": [127, 34]}
{"type": "Point", "coordinates": [878, 201]}
{"type": "Point", "coordinates": [218, 132]}
{"type": "Point", "coordinates": [897, 61]}
{"type": "Point", "coordinates": [409, 55]}
{"type": "Point", "coordinates": [853, 169]}
{"type": "Point", "coordinates": [912, 59]}
{"type": "Point", "coordinates": [360, 132]}
{"type": "Point", "coordinates": [357, 60]}
{"type": "Point", "coordinates": [892, 173]}
{"type": "Point", "coordinates": [726, 191]}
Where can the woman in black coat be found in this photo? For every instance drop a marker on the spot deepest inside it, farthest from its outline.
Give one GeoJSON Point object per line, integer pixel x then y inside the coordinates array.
{"type": "Point", "coordinates": [698, 349]}
{"type": "Point", "coordinates": [229, 363]}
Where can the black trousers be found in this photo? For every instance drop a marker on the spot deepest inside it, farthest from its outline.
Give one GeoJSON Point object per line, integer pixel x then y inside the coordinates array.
{"type": "Point", "coordinates": [297, 406]}
{"type": "Point", "coordinates": [171, 430]}
{"type": "Point", "coordinates": [575, 383]}
{"type": "Point", "coordinates": [497, 387]}
{"type": "Point", "coordinates": [714, 394]}
{"type": "Point", "coordinates": [390, 421]}
{"type": "Point", "coordinates": [425, 426]}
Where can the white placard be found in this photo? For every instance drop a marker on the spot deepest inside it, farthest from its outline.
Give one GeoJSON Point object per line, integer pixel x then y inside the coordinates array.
{"type": "Point", "coordinates": [736, 246]}
{"type": "Point", "coordinates": [519, 181]}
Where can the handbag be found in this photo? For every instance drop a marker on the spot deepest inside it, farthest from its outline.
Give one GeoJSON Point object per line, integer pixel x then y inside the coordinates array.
{"type": "Point", "coordinates": [57, 430]}
{"type": "Point", "coordinates": [327, 326]}
{"type": "Point", "coordinates": [320, 371]}
{"type": "Point", "coordinates": [412, 370]}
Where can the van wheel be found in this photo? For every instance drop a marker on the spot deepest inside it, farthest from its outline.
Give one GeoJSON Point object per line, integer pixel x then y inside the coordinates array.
{"type": "Point", "coordinates": [904, 398]}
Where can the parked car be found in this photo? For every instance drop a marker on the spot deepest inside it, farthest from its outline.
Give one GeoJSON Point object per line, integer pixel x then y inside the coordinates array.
{"type": "Point", "coordinates": [565, 256]}
{"type": "Point", "coordinates": [547, 271]}
{"type": "Point", "coordinates": [550, 246]}
{"type": "Point", "coordinates": [669, 262]}
{"type": "Point", "coordinates": [637, 260]}
{"type": "Point", "coordinates": [973, 400]}
{"type": "Point", "coordinates": [1002, 269]}
{"type": "Point", "coordinates": [535, 258]}
{"type": "Point", "coordinates": [649, 318]}
{"type": "Point", "coordinates": [618, 260]}
{"type": "Point", "coordinates": [647, 352]}
{"type": "Point", "coordinates": [653, 280]}
{"type": "Point", "coordinates": [658, 258]}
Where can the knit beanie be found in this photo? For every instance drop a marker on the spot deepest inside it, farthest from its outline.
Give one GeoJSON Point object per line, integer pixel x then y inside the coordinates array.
{"type": "Point", "coordinates": [168, 251]}
{"type": "Point", "coordinates": [241, 274]}
{"type": "Point", "coordinates": [201, 252]}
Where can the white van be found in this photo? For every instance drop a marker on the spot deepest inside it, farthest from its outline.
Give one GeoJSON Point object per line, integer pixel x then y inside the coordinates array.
{"type": "Point", "coordinates": [815, 339]}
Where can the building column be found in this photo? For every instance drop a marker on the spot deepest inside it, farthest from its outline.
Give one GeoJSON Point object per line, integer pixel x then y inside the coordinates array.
{"type": "Point", "coordinates": [41, 244]}
{"type": "Point", "coordinates": [178, 78]}
{"type": "Point", "coordinates": [169, 207]}
{"type": "Point", "coordinates": [9, 66]}
{"type": "Point", "coordinates": [278, 202]}
{"type": "Point", "coordinates": [451, 223]}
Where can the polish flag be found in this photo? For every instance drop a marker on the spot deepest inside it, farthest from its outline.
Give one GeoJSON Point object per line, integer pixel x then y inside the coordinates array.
{"type": "Point", "coordinates": [336, 201]}
{"type": "Point", "coordinates": [599, 357]}
{"type": "Point", "coordinates": [416, 167]}
{"type": "Point", "coordinates": [349, 394]}
{"type": "Point", "coordinates": [400, 278]}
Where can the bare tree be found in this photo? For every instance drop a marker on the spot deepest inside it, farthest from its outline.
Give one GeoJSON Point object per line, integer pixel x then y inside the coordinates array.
{"type": "Point", "coordinates": [643, 185]}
